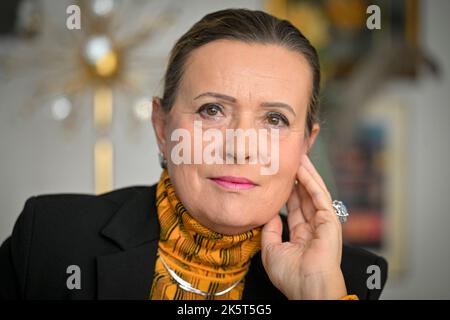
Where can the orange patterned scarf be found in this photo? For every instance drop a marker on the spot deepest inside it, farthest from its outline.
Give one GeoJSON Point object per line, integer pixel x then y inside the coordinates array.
{"type": "Point", "coordinates": [209, 261]}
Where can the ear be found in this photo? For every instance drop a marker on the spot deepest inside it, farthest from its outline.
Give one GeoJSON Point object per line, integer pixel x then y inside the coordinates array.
{"type": "Point", "coordinates": [159, 123]}
{"type": "Point", "coordinates": [312, 137]}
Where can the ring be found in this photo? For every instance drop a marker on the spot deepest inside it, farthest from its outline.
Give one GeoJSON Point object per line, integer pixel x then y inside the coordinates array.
{"type": "Point", "coordinates": [341, 210]}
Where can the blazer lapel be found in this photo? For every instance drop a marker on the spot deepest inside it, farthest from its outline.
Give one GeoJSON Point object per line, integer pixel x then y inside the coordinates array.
{"type": "Point", "coordinates": [128, 274]}
{"type": "Point", "coordinates": [257, 283]}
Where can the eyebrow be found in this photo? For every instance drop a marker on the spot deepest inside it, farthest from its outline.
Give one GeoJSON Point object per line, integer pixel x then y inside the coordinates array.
{"type": "Point", "coordinates": [234, 100]}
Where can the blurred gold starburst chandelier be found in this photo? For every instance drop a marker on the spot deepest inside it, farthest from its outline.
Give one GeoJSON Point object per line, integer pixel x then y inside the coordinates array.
{"type": "Point", "coordinates": [97, 61]}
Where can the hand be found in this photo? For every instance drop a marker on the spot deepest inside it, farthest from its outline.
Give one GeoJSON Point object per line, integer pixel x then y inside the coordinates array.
{"type": "Point", "coordinates": [308, 265]}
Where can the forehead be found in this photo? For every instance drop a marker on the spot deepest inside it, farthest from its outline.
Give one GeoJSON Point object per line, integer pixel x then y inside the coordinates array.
{"type": "Point", "coordinates": [248, 71]}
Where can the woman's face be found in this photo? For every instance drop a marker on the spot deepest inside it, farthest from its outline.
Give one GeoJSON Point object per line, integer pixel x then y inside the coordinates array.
{"type": "Point", "coordinates": [234, 85]}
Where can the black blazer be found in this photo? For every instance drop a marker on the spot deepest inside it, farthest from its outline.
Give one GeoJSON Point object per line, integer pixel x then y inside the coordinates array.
{"type": "Point", "coordinates": [113, 238]}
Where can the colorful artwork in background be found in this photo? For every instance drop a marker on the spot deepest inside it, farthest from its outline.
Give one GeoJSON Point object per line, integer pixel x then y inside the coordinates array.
{"type": "Point", "coordinates": [371, 174]}
{"type": "Point", "coordinates": [360, 177]}
{"type": "Point", "coordinates": [338, 30]}
{"type": "Point", "coordinates": [363, 127]}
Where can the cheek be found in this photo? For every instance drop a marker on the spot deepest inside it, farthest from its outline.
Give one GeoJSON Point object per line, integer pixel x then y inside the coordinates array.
{"type": "Point", "coordinates": [291, 151]}
{"type": "Point", "coordinates": [184, 176]}
{"type": "Point", "coordinates": [177, 123]}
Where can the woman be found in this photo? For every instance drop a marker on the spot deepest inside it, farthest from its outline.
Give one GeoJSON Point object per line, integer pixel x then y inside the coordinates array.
{"type": "Point", "coordinates": [210, 228]}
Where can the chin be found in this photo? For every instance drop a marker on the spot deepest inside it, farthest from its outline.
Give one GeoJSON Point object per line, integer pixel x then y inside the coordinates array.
{"type": "Point", "coordinates": [234, 221]}
{"type": "Point", "coordinates": [231, 229]}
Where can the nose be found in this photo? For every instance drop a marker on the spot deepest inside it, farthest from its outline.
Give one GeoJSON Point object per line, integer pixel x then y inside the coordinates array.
{"type": "Point", "coordinates": [241, 140]}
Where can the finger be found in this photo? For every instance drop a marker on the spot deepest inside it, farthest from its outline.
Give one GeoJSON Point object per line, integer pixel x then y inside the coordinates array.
{"type": "Point", "coordinates": [323, 210]}
{"type": "Point", "coordinates": [271, 233]}
{"type": "Point", "coordinates": [295, 214]}
{"type": "Point", "coordinates": [306, 203]}
{"type": "Point", "coordinates": [315, 191]}
{"type": "Point", "coordinates": [293, 202]}
{"type": "Point", "coordinates": [313, 171]}
{"type": "Point", "coordinates": [307, 164]}
{"type": "Point", "coordinates": [302, 233]}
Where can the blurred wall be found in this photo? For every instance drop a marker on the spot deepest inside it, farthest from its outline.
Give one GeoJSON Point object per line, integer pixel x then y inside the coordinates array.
{"type": "Point", "coordinates": [428, 222]}
{"type": "Point", "coordinates": [36, 158]}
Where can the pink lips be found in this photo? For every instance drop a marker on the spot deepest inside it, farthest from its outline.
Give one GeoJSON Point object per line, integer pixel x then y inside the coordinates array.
{"type": "Point", "coordinates": [235, 183]}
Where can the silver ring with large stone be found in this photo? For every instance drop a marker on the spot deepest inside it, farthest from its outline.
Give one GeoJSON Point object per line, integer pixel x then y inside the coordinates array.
{"type": "Point", "coordinates": [341, 210]}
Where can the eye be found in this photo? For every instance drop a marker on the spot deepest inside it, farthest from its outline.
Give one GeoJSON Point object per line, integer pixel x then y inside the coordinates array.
{"type": "Point", "coordinates": [210, 110]}
{"type": "Point", "coordinates": [277, 119]}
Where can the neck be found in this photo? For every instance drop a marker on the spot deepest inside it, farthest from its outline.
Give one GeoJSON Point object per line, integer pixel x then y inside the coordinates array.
{"type": "Point", "coordinates": [183, 237]}
{"type": "Point", "coordinates": [225, 230]}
